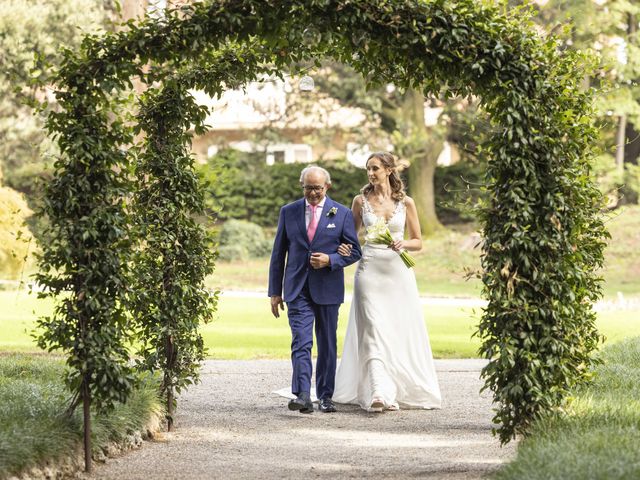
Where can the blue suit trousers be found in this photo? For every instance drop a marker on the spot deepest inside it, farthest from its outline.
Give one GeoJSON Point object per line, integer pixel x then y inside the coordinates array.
{"type": "Point", "coordinates": [302, 311]}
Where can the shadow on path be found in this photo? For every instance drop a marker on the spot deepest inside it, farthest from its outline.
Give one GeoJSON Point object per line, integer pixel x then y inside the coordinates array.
{"type": "Point", "coordinates": [231, 426]}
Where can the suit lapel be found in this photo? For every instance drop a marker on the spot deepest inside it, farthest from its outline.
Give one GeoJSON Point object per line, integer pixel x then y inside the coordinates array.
{"type": "Point", "coordinates": [324, 219]}
{"type": "Point", "coordinates": [301, 221]}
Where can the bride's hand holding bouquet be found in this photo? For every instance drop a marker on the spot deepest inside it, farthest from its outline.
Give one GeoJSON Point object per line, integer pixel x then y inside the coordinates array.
{"type": "Point", "coordinates": [379, 233]}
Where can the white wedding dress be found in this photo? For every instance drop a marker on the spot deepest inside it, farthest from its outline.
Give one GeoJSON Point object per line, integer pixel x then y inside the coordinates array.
{"type": "Point", "coordinates": [386, 351]}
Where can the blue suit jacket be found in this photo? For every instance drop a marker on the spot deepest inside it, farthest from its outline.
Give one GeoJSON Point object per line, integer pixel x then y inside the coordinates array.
{"type": "Point", "coordinates": [292, 251]}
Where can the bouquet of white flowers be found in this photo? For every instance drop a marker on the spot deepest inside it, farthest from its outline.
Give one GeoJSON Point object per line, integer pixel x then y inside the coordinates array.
{"type": "Point", "coordinates": [379, 233]}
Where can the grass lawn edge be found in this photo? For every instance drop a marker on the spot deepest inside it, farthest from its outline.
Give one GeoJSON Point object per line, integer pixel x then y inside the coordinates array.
{"type": "Point", "coordinates": [37, 441]}
{"type": "Point", "coordinates": [597, 432]}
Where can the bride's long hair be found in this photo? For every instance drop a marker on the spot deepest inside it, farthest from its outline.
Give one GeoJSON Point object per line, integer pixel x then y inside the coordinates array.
{"type": "Point", "coordinates": [397, 185]}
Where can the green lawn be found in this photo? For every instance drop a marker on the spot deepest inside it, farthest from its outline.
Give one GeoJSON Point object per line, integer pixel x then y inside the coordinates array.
{"type": "Point", "coordinates": [596, 435]}
{"type": "Point", "coordinates": [622, 257]}
{"type": "Point", "coordinates": [440, 268]}
{"type": "Point", "coordinates": [244, 328]}
{"type": "Point", "coordinates": [18, 311]}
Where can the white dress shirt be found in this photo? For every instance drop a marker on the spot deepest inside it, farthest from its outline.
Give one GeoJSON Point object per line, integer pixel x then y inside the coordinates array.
{"type": "Point", "coordinates": [307, 212]}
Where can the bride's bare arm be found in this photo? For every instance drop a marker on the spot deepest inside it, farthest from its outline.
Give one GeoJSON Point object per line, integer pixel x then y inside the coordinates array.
{"type": "Point", "coordinates": [356, 209]}
{"type": "Point", "coordinates": [414, 235]}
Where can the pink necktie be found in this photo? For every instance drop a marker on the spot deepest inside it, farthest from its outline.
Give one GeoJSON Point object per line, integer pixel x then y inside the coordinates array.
{"type": "Point", "coordinates": [313, 223]}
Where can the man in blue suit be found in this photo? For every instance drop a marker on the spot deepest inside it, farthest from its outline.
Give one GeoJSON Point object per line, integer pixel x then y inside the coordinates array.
{"type": "Point", "coordinates": [305, 262]}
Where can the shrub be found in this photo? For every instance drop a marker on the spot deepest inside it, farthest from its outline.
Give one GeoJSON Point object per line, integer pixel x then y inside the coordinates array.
{"type": "Point", "coordinates": [232, 253]}
{"type": "Point", "coordinates": [242, 186]}
{"type": "Point", "coordinates": [15, 237]}
{"type": "Point", "coordinates": [240, 240]}
{"type": "Point", "coordinates": [34, 429]}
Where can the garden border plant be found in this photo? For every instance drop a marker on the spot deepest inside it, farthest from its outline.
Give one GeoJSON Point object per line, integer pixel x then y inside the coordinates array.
{"type": "Point", "coordinates": [543, 236]}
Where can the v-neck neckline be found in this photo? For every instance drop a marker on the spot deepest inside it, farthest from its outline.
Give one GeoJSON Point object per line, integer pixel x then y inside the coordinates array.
{"type": "Point", "coordinates": [370, 209]}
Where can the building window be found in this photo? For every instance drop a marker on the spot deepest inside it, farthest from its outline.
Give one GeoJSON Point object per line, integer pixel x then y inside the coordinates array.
{"type": "Point", "coordinates": [289, 153]}
{"type": "Point", "coordinates": [302, 154]}
{"type": "Point", "coordinates": [275, 156]}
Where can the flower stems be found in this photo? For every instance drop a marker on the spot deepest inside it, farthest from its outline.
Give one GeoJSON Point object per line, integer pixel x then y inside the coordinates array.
{"type": "Point", "coordinates": [386, 239]}
{"type": "Point", "coordinates": [407, 259]}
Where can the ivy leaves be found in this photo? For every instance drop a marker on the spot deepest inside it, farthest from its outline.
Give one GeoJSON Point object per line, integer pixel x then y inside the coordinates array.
{"type": "Point", "coordinates": [175, 254]}
{"type": "Point", "coordinates": [543, 235]}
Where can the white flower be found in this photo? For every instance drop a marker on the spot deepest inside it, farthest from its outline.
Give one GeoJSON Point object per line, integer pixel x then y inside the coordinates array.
{"type": "Point", "coordinates": [376, 230]}
{"type": "Point", "coordinates": [379, 233]}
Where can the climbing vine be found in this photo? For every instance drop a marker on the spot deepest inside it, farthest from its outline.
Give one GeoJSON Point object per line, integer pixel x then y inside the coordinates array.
{"type": "Point", "coordinates": [175, 253]}
{"type": "Point", "coordinates": [543, 236]}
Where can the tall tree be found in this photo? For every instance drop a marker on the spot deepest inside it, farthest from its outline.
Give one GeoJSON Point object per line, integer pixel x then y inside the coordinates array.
{"type": "Point", "coordinates": [400, 118]}
{"type": "Point", "coordinates": [30, 35]}
{"type": "Point", "coordinates": [421, 146]}
{"type": "Point", "coordinates": [609, 27]}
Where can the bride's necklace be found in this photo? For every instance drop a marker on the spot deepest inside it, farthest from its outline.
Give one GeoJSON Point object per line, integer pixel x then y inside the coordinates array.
{"type": "Point", "coordinates": [379, 200]}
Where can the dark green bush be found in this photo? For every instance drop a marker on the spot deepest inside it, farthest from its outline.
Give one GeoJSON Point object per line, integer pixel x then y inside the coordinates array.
{"type": "Point", "coordinates": [243, 187]}
{"type": "Point", "coordinates": [240, 240]}
{"type": "Point", "coordinates": [232, 253]}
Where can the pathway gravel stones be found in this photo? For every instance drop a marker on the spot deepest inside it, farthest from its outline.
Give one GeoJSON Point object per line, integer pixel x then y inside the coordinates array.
{"type": "Point", "coordinates": [232, 427]}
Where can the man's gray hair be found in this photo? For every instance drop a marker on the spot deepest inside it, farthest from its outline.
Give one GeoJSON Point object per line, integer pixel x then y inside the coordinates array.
{"type": "Point", "coordinates": [315, 168]}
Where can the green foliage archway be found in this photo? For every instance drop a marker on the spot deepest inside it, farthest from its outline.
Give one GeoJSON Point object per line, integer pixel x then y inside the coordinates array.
{"type": "Point", "coordinates": [543, 238]}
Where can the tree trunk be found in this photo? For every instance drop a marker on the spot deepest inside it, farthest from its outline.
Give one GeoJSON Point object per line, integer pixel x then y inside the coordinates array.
{"type": "Point", "coordinates": [620, 143]}
{"type": "Point", "coordinates": [421, 148]}
{"type": "Point", "coordinates": [632, 148]}
{"type": "Point", "coordinates": [168, 383]}
{"type": "Point", "coordinates": [420, 178]}
{"type": "Point", "coordinates": [86, 410]}
{"type": "Point", "coordinates": [169, 409]}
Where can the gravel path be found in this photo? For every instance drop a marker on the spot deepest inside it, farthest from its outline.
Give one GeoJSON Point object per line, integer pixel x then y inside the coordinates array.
{"type": "Point", "coordinates": [232, 427]}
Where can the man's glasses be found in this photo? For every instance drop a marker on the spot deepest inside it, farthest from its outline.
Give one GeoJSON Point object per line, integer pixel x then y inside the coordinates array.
{"type": "Point", "coordinates": [313, 188]}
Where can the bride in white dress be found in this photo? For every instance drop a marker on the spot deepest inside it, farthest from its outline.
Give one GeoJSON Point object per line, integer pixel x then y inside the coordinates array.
{"type": "Point", "coordinates": [386, 361]}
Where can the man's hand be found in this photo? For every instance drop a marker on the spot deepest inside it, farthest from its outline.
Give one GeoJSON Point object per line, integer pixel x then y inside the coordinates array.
{"type": "Point", "coordinates": [319, 260]}
{"type": "Point", "coordinates": [276, 301]}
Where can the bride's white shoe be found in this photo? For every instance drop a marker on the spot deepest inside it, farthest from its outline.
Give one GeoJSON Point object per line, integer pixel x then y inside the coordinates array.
{"type": "Point", "coordinates": [377, 405]}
